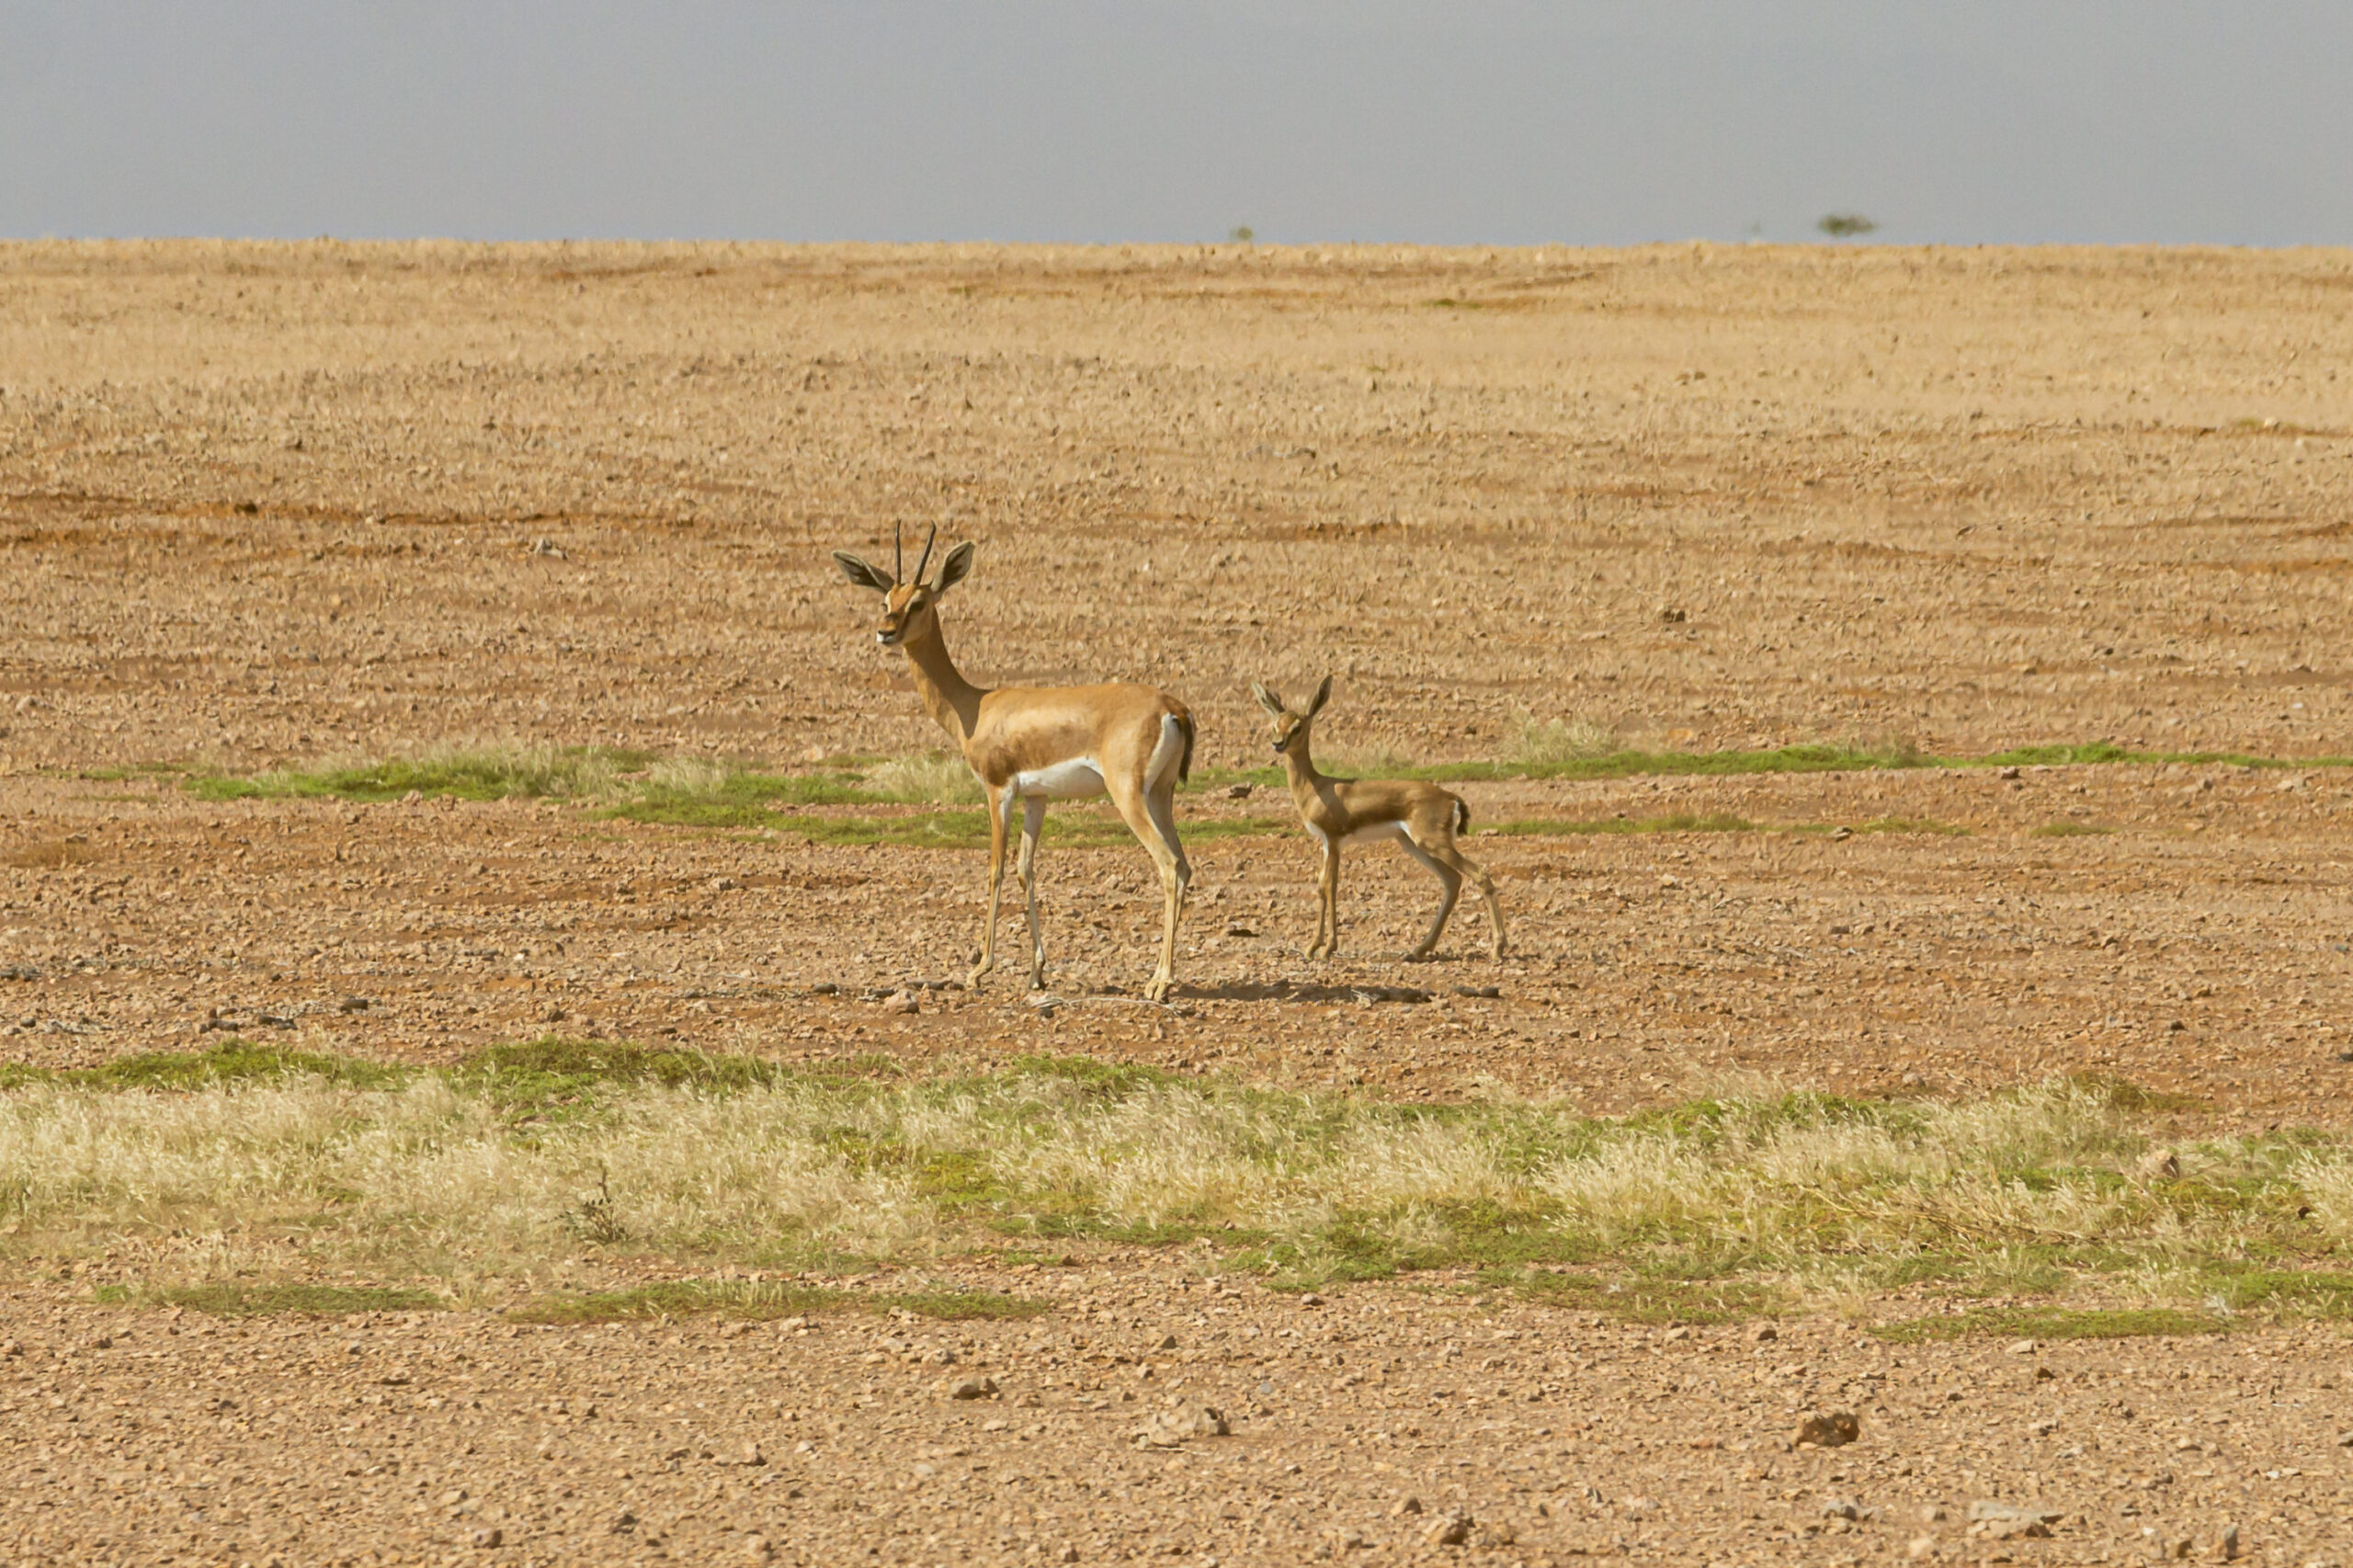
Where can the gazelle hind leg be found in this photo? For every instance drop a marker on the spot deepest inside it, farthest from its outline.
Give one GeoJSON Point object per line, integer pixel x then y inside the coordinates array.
{"type": "Point", "coordinates": [1033, 822]}
{"type": "Point", "coordinates": [1450, 879]}
{"type": "Point", "coordinates": [1150, 815]}
{"type": "Point", "coordinates": [1000, 804]}
{"type": "Point", "coordinates": [1479, 879]}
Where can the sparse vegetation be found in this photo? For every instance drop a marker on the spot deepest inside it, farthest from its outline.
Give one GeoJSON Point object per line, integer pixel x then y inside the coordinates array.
{"type": "Point", "coordinates": [490, 773]}
{"type": "Point", "coordinates": [1846, 225]}
{"type": "Point", "coordinates": [1549, 742]}
{"type": "Point", "coordinates": [239, 1297]}
{"type": "Point", "coordinates": [836, 803]}
{"type": "Point", "coordinates": [2069, 830]}
{"type": "Point", "coordinates": [933, 779]}
{"type": "Point", "coordinates": [1720, 1206]}
{"type": "Point", "coordinates": [2051, 1323]}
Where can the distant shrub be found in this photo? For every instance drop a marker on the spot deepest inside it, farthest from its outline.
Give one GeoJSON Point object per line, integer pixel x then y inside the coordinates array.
{"type": "Point", "coordinates": [1846, 225]}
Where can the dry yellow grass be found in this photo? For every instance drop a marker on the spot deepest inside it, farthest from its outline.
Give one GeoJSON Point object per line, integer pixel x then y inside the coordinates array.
{"type": "Point", "coordinates": [438, 1175]}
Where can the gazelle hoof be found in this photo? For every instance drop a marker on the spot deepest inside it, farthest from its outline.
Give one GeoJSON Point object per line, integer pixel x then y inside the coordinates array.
{"type": "Point", "coordinates": [973, 976]}
{"type": "Point", "coordinates": [1158, 990]}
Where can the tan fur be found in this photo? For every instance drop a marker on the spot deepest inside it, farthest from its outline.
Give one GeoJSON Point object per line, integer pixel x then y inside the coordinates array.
{"type": "Point", "coordinates": [1423, 817]}
{"type": "Point", "coordinates": [1013, 730]}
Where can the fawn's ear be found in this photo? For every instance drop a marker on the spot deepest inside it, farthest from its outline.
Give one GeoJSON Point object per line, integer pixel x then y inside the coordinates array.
{"type": "Point", "coordinates": [859, 573]}
{"type": "Point", "coordinates": [1323, 695]}
{"type": "Point", "coordinates": [1266, 699]}
{"type": "Point", "coordinates": [952, 570]}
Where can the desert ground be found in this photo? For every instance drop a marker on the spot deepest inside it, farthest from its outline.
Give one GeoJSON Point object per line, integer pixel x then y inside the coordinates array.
{"type": "Point", "coordinates": [269, 510]}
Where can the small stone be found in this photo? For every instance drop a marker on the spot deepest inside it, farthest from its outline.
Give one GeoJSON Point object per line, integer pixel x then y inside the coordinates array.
{"type": "Point", "coordinates": [1768, 1334]}
{"type": "Point", "coordinates": [2228, 1545]}
{"type": "Point", "coordinates": [2021, 1348]}
{"type": "Point", "coordinates": [354, 1005]}
{"type": "Point", "coordinates": [2008, 1522]}
{"type": "Point", "coordinates": [1168, 1342]}
{"type": "Point", "coordinates": [1921, 1546]}
{"type": "Point", "coordinates": [491, 1537]}
{"type": "Point", "coordinates": [974, 1388]}
{"type": "Point", "coordinates": [1311, 1299]}
{"type": "Point", "coordinates": [1067, 1554]}
{"type": "Point", "coordinates": [903, 1002]}
{"type": "Point", "coordinates": [1239, 929]}
{"type": "Point", "coordinates": [752, 1455]}
{"type": "Point", "coordinates": [452, 1497]}
{"type": "Point", "coordinates": [1841, 1508]}
{"type": "Point", "coordinates": [1677, 1333]}
{"type": "Point", "coordinates": [758, 1549]}
{"type": "Point", "coordinates": [1210, 1422]}
{"type": "Point", "coordinates": [2158, 1164]}
{"type": "Point", "coordinates": [1829, 1430]}
{"type": "Point", "coordinates": [1450, 1530]}
{"type": "Point", "coordinates": [623, 1522]}
{"type": "Point", "coordinates": [1405, 1505]}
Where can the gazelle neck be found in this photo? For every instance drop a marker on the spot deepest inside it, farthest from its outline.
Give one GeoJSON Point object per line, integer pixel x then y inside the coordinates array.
{"type": "Point", "coordinates": [1300, 766]}
{"type": "Point", "coordinates": [946, 696]}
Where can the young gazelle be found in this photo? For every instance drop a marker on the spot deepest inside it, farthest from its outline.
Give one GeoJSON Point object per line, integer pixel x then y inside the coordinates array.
{"type": "Point", "coordinates": [1421, 817]}
{"type": "Point", "coordinates": [1031, 745]}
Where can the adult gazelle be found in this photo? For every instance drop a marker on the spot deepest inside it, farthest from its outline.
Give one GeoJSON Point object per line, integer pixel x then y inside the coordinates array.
{"type": "Point", "coordinates": [1030, 744]}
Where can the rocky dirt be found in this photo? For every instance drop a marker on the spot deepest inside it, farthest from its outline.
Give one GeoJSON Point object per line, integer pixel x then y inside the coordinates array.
{"type": "Point", "coordinates": [269, 505]}
{"type": "Point", "coordinates": [1422, 1426]}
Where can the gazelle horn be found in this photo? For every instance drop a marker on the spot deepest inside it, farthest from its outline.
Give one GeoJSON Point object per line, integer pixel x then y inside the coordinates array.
{"type": "Point", "coordinates": [898, 555]}
{"type": "Point", "coordinates": [926, 551]}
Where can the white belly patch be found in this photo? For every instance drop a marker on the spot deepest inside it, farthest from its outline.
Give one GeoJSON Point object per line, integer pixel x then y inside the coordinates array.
{"type": "Point", "coordinates": [1380, 833]}
{"type": "Point", "coordinates": [1073, 780]}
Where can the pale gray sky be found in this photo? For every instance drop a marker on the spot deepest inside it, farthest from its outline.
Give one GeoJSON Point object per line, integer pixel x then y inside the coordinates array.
{"type": "Point", "coordinates": [1609, 122]}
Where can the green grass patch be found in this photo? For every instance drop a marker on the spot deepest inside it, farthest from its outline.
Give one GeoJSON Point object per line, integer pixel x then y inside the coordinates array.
{"type": "Point", "coordinates": [2302, 1292]}
{"type": "Point", "coordinates": [1632, 1298]}
{"type": "Point", "coordinates": [1677, 822]}
{"type": "Point", "coordinates": [244, 1298]}
{"type": "Point", "coordinates": [554, 1072]}
{"type": "Point", "coordinates": [491, 774]}
{"type": "Point", "coordinates": [2053, 1322]}
{"type": "Point", "coordinates": [233, 1060]}
{"type": "Point", "coordinates": [1913, 825]}
{"type": "Point", "coordinates": [746, 1301]}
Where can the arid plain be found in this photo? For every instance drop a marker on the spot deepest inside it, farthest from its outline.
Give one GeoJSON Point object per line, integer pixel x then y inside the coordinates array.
{"type": "Point", "coordinates": [270, 510]}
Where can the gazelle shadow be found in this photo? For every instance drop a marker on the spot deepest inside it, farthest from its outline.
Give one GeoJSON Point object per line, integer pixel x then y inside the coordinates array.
{"type": "Point", "coordinates": [1288, 991]}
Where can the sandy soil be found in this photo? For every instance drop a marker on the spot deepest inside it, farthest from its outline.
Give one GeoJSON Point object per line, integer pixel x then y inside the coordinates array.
{"type": "Point", "coordinates": [266, 504]}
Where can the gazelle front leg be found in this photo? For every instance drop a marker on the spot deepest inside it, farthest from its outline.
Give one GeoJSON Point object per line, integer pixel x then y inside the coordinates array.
{"type": "Point", "coordinates": [1033, 820]}
{"type": "Point", "coordinates": [1328, 902]}
{"type": "Point", "coordinates": [1000, 804]}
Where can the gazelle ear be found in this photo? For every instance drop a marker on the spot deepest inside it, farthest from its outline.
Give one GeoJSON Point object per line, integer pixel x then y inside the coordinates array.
{"type": "Point", "coordinates": [1266, 699]}
{"type": "Point", "coordinates": [1323, 695]}
{"type": "Point", "coordinates": [859, 573]}
{"type": "Point", "coordinates": [952, 570]}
